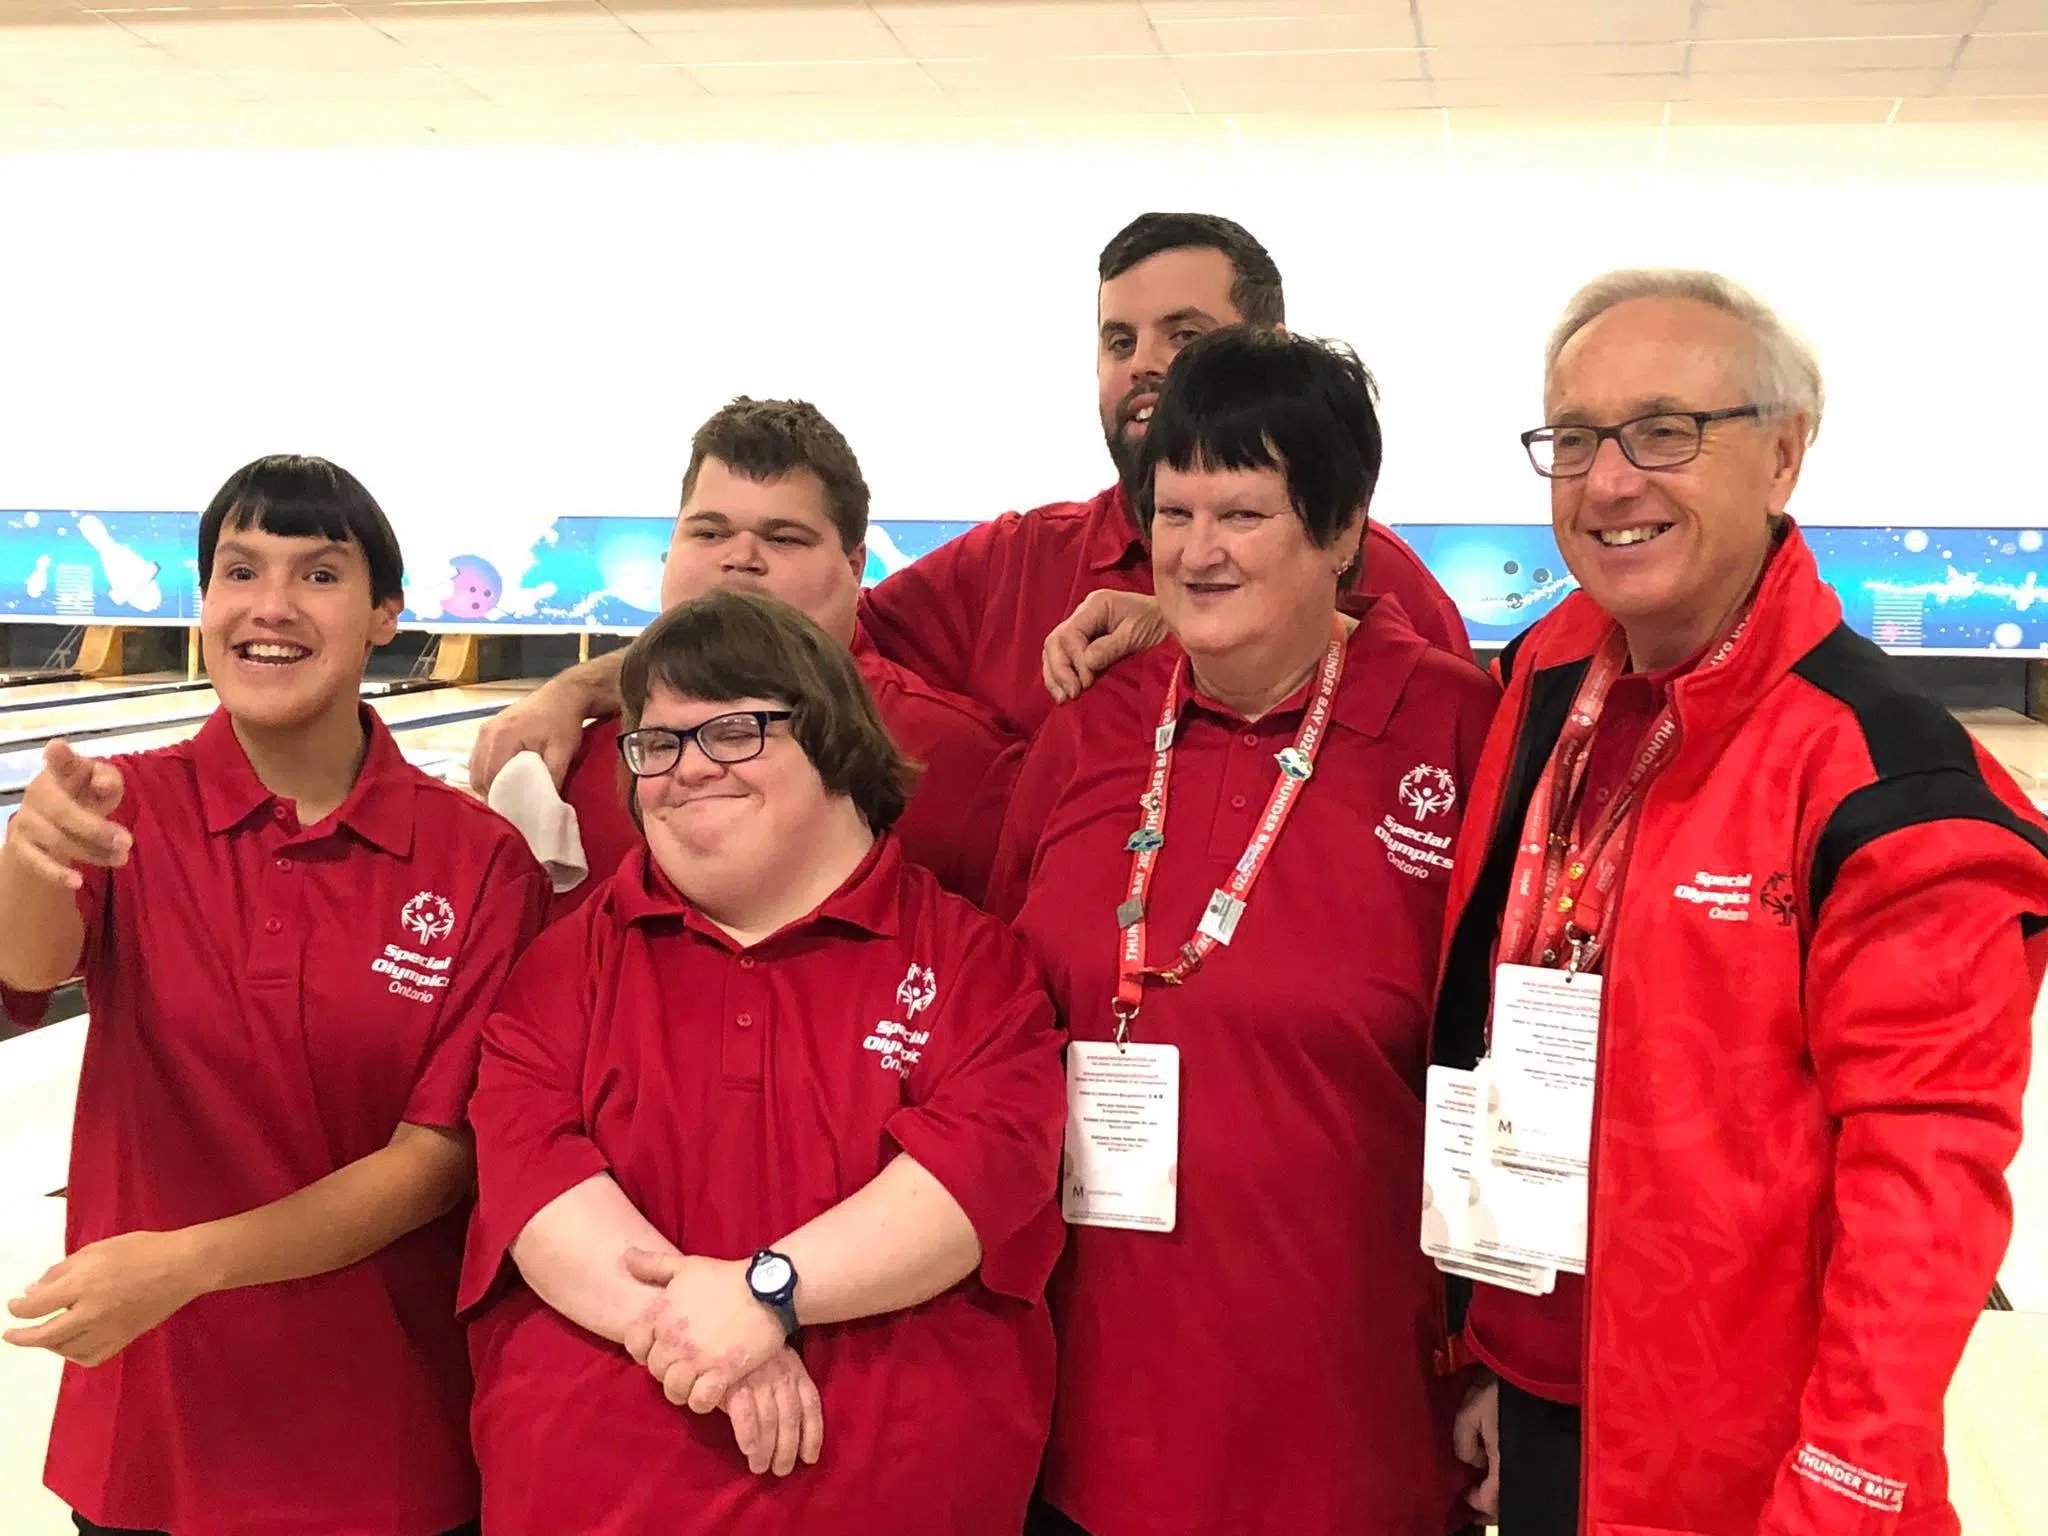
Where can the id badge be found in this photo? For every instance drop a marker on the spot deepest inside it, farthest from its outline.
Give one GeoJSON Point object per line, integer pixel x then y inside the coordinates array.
{"type": "Point", "coordinates": [1546, 1046]}
{"type": "Point", "coordinates": [1122, 1162]}
{"type": "Point", "coordinates": [1450, 1147]}
{"type": "Point", "coordinates": [1521, 1213]}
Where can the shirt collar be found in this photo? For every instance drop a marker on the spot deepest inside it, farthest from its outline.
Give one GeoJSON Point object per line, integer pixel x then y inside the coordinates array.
{"type": "Point", "coordinates": [1379, 658]}
{"type": "Point", "coordinates": [1113, 539]}
{"type": "Point", "coordinates": [870, 899]}
{"type": "Point", "coordinates": [379, 807]}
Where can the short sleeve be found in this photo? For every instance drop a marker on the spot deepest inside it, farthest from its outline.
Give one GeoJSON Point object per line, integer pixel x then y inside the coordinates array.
{"type": "Point", "coordinates": [511, 905]}
{"type": "Point", "coordinates": [532, 1142]}
{"type": "Point", "coordinates": [987, 1110]}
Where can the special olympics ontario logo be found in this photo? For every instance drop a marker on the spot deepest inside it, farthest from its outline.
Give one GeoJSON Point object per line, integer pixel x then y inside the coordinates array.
{"type": "Point", "coordinates": [427, 917]}
{"type": "Point", "coordinates": [1426, 790]}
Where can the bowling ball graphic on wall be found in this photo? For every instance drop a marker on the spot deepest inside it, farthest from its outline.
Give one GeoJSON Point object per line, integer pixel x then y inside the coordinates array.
{"type": "Point", "coordinates": [476, 589]}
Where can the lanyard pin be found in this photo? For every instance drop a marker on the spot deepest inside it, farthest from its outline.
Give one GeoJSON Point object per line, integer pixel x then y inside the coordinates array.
{"type": "Point", "coordinates": [1144, 840]}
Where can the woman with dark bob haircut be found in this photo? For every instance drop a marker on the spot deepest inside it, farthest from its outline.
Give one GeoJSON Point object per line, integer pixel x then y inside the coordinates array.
{"type": "Point", "coordinates": [1228, 853]}
{"type": "Point", "coordinates": [767, 1135]}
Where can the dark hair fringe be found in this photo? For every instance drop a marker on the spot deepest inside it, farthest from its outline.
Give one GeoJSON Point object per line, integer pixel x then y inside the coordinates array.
{"type": "Point", "coordinates": [741, 645]}
{"type": "Point", "coordinates": [298, 496]}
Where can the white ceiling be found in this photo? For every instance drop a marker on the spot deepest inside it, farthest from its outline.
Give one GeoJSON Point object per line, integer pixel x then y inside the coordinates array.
{"type": "Point", "coordinates": [124, 72]}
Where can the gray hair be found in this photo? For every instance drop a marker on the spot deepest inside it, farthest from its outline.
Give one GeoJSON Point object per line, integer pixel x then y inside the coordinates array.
{"type": "Point", "coordinates": [1787, 376]}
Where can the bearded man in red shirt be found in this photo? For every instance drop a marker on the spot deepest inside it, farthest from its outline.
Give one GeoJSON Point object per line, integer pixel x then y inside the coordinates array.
{"type": "Point", "coordinates": [972, 616]}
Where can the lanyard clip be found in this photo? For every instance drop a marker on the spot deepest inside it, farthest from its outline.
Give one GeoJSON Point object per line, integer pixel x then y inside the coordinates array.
{"type": "Point", "coordinates": [1125, 1012]}
{"type": "Point", "coordinates": [1579, 943]}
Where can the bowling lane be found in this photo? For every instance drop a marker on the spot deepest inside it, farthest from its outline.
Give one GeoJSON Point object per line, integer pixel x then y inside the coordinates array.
{"type": "Point", "coordinates": [420, 707]}
{"type": "Point", "coordinates": [82, 719]}
{"type": "Point", "coordinates": [83, 716]}
{"type": "Point", "coordinates": [78, 690]}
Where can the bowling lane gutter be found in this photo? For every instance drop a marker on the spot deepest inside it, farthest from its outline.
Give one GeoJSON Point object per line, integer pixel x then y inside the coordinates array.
{"type": "Point", "coordinates": [175, 714]}
{"type": "Point", "coordinates": [18, 766]}
{"type": "Point", "coordinates": [141, 691]}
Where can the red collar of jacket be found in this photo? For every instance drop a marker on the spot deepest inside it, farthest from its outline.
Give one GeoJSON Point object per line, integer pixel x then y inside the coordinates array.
{"type": "Point", "coordinates": [1793, 612]}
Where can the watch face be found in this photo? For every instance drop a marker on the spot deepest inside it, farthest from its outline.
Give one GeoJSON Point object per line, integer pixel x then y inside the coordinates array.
{"type": "Point", "coordinates": [771, 1274]}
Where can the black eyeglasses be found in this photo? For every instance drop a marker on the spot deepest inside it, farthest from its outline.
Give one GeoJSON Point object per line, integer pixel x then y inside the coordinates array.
{"type": "Point", "coordinates": [1663, 441]}
{"type": "Point", "coordinates": [735, 738]}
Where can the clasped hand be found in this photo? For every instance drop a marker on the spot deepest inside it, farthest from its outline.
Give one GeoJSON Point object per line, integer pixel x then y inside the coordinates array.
{"type": "Point", "coordinates": [711, 1345]}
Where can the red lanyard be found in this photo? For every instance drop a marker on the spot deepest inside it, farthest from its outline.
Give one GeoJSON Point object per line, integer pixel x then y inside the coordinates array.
{"type": "Point", "coordinates": [1560, 897]}
{"type": "Point", "coordinates": [1227, 904]}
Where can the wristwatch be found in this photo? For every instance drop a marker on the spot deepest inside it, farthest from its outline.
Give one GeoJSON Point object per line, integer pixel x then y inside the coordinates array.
{"type": "Point", "coordinates": [772, 1279]}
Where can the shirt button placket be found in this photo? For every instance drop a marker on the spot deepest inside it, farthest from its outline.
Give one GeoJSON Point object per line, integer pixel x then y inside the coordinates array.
{"type": "Point", "coordinates": [275, 953]}
{"type": "Point", "coordinates": [746, 1014]}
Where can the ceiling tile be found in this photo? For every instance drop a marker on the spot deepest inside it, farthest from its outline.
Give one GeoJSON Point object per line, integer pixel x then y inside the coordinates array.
{"type": "Point", "coordinates": [1302, 82]}
{"type": "Point", "coordinates": [2015, 16]}
{"type": "Point", "coordinates": [1551, 120]}
{"type": "Point", "coordinates": [1695, 114]}
{"type": "Point", "coordinates": [1135, 75]}
{"type": "Point", "coordinates": [478, 12]}
{"type": "Point", "coordinates": [1997, 82]}
{"type": "Point", "coordinates": [1024, 16]}
{"type": "Point", "coordinates": [809, 34]}
{"type": "Point", "coordinates": [1291, 34]}
{"type": "Point", "coordinates": [1052, 98]}
{"type": "Point", "coordinates": [331, 41]}
{"type": "Point", "coordinates": [1743, 19]}
{"type": "Point", "coordinates": [1509, 23]}
{"type": "Point", "coordinates": [1549, 63]}
{"type": "Point", "coordinates": [871, 78]}
{"type": "Point", "coordinates": [93, 45]}
{"type": "Point", "coordinates": [1807, 57]}
{"type": "Point", "coordinates": [101, 93]}
{"type": "Point", "coordinates": [366, 85]}
{"type": "Point", "coordinates": [2020, 51]}
{"type": "Point", "coordinates": [1391, 14]}
{"type": "Point", "coordinates": [450, 39]}
{"type": "Point", "coordinates": [1557, 93]}
{"type": "Point", "coordinates": [1311, 71]}
{"type": "Point", "coordinates": [1823, 86]}
{"type": "Point", "coordinates": [513, 83]}
{"type": "Point", "coordinates": [1117, 31]}
{"type": "Point", "coordinates": [1976, 109]}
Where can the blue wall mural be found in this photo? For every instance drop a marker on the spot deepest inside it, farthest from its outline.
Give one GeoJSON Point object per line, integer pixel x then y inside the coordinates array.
{"type": "Point", "coordinates": [1976, 591]}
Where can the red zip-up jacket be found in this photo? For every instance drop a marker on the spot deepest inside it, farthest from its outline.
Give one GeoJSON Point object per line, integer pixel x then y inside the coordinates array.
{"type": "Point", "coordinates": [1814, 1039]}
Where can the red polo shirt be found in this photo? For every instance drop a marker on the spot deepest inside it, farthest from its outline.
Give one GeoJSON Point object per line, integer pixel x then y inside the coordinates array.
{"type": "Point", "coordinates": [268, 1003]}
{"type": "Point", "coordinates": [1268, 1365]}
{"type": "Point", "coordinates": [950, 826]}
{"type": "Point", "coordinates": [1538, 1342]}
{"type": "Point", "coordinates": [972, 616]}
{"type": "Point", "coordinates": [734, 1094]}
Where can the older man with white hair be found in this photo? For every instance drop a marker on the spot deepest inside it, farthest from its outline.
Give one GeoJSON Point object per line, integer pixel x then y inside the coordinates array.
{"type": "Point", "coordinates": [1737, 991]}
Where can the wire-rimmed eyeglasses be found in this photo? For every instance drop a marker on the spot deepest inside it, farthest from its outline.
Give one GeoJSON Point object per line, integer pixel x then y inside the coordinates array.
{"type": "Point", "coordinates": [735, 738]}
{"type": "Point", "coordinates": [1664, 440]}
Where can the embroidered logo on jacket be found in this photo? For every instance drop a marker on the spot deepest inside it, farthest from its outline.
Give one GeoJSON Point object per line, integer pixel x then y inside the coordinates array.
{"type": "Point", "coordinates": [898, 1046]}
{"type": "Point", "coordinates": [426, 919]}
{"type": "Point", "coordinates": [1837, 1476]}
{"type": "Point", "coordinates": [1726, 897]}
{"type": "Point", "coordinates": [1776, 898]}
